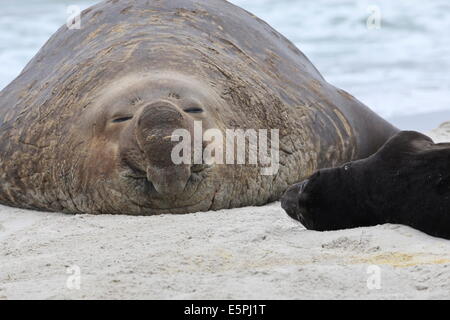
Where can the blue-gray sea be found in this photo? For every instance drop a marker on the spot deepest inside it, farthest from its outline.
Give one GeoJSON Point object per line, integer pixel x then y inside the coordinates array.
{"type": "Point", "coordinates": [394, 55]}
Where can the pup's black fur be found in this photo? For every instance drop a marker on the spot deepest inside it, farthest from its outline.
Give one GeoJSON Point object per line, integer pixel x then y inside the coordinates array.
{"type": "Point", "coordinates": [406, 182]}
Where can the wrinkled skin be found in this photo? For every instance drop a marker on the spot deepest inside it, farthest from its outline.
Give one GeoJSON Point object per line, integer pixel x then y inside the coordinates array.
{"type": "Point", "coordinates": [406, 182]}
{"type": "Point", "coordinates": [85, 126]}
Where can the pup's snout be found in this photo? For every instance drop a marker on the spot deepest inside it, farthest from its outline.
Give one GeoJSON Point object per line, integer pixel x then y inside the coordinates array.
{"type": "Point", "coordinates": [294, 201]}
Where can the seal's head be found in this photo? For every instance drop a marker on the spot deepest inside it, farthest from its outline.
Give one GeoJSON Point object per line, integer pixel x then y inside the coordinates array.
{"type": "Point", "coordinates": [130, 129]}
{"type": "Point", "coordinates": [383, 188]}
{"type": "Point", "coordinates": [331, 199]}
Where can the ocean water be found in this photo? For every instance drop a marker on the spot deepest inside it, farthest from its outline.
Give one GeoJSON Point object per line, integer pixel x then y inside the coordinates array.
{"type": "Point", "coordinates": [394, 55]}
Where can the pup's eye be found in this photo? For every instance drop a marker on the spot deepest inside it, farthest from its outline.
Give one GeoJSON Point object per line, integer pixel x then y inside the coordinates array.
{"type": "Point", "coordinates": [122, 119]}
{"type": "Point", "coordinates": [193, 110]}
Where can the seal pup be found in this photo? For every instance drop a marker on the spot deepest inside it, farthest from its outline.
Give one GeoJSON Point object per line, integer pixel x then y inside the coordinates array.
{"type": "Point", "coordinates": [406, 182]}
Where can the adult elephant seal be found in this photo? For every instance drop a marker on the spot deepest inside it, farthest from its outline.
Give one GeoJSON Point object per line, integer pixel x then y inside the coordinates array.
{"type": "Point", "coordinates": [86, 127]}
{"type": "Point", "coordinates": [406, 182]}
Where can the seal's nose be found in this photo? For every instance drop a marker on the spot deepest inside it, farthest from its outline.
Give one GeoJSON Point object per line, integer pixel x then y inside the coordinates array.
{"type": "Point", "coordinates": [159, 116]}
{"type": "Point", "coordinates": [294, 201]}
{"type": "Point", "coordinates": [155, 127]}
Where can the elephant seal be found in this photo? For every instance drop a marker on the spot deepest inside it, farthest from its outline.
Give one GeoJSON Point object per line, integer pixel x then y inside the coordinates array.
{"type": "Point", "coordinates": [406, 182]}
{"type": "Point", "coordinates": [87, 126]}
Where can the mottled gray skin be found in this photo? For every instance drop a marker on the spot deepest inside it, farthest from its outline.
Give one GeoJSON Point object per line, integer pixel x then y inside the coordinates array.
{"type": "Point", "coordinates": [84, 127]}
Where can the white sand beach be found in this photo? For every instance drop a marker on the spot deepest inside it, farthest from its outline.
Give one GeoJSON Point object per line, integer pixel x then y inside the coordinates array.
{"type": "Point", "coordinates": [247, 253]}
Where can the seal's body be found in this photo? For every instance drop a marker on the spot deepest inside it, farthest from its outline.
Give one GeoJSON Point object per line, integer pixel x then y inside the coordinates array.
{"type": "Point", "coordinates": [86, 126]}
{"type": "Point", "coordinates": [406, 182]}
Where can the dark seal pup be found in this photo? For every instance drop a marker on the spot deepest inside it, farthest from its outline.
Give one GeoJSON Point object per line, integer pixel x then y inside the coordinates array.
{"type": "Point", "coordinates": [406, 182]}
{"type": "Point", "coordinates": [87, 125]}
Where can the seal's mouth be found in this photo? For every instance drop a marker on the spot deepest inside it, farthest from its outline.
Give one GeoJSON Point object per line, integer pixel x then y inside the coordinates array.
{"type": "Point", "coordinates": [139, 177]}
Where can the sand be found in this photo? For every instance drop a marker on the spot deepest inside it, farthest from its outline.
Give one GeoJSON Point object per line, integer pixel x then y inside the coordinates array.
{"type": "Point", "coordinates": [247, 253]}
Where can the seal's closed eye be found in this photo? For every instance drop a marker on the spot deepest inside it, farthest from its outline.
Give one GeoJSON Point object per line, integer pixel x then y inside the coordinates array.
{"type": "Point", "coordinates": [443, 185]}
{"type": "Point", "coordinates": [122, 119]}
{"type": "Point", "coordinates": [193, 110]}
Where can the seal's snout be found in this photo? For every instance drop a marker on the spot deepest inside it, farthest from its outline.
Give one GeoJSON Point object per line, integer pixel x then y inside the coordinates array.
{"type": "Point", "coordinates": [155, 126]}
{"type": "Point", "coordinates": [294, 201]}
